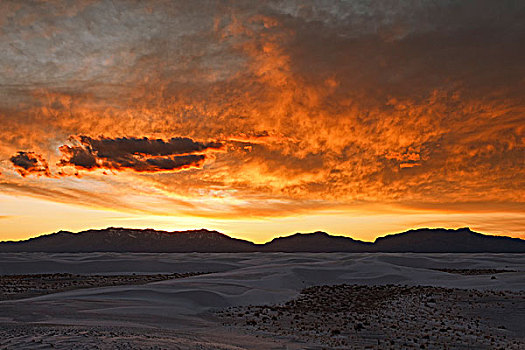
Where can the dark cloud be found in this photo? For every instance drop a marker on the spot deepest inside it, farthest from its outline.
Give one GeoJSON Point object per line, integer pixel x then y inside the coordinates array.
{"type": "Point", "coordinates": [78, 156]}
{"type": "Point", "coordinates": [138, 154]}
{"type": "Point", "coordinates": [123, 146]}
{"type": "Point", "coordinates": [27, 163]}
{"type": "Point", "coordinates": [175, 162]}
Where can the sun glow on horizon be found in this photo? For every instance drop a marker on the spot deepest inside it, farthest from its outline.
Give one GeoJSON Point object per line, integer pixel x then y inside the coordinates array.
{"type": "Point", "coordinates": [18, 224]}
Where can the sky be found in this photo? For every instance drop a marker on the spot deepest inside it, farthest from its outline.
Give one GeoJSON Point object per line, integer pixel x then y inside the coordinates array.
{"type": "Point", "coordinates": [262, 118]}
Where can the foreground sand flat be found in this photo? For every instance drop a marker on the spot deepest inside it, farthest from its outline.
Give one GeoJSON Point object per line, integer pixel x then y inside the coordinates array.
{"type": "Point", "coordinates": [350, 300]}
{"type": "Point", "coordinates": [114, 337]}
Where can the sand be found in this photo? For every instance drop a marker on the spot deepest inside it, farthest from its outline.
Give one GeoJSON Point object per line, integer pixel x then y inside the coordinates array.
{"type": "Point", "coordinates": [188, 313]}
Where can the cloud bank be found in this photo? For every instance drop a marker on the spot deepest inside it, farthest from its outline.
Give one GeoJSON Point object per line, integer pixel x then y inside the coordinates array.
{"type": "Point", "coordinates": [317, 104]}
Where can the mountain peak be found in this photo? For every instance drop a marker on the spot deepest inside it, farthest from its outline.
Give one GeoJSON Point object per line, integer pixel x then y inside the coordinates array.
{"type": "Point", "coordinates": [440, 240]}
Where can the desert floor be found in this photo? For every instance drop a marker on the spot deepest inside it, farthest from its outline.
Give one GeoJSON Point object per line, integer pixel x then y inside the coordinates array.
{"type": "Point", "coordinates": [262, 301]}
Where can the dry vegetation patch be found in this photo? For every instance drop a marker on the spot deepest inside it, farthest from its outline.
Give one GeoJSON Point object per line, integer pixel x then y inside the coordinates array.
{"type": "Point", "coordinates": [385, 317]}
{"type": "Point", "coordinates": [475, 272]}
{"type": "Point", "coordinates": [30, 285]}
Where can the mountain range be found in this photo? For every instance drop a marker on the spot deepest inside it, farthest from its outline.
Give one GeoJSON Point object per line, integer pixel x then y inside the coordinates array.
{"type": "Point", "coordinates": [113, 239]}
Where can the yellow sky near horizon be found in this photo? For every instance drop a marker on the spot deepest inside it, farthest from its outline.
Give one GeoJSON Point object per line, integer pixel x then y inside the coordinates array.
{"type": "Point", "coordinates": [18, 225]}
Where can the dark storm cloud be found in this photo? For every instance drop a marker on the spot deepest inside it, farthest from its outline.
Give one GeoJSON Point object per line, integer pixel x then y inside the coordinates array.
{"type": "Point", "coordinates": [175, 162]}
{"type": "Point", "coordinates": [27, 163]}
{"type": "Point", "coordinates": [113, 148]}
{"type": "Point", "coordinates": [78, 156]}
{"type": "Point", "coordinates": [138, 154]}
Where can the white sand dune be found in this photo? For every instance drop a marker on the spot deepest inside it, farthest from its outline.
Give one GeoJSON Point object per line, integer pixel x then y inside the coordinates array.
{"type": "Point", "coordinates": [183, 305]}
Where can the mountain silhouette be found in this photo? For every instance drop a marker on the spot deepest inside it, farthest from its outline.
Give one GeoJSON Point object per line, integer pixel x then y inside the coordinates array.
{"type": "Point", "coordinates": [131, 240]}
{"type": "Point", "coordinates": [113, 239]}
{"type": "Point", "coordinates": [462, 240]}
{"type": "Point", "coordinates": [316, 242]}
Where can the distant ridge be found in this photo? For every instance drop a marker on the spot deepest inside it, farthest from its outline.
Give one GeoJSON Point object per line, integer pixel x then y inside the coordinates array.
{"type": "Point", "coordinates": [462, 240]}
{"type": "Point", "coordinates": [316, 242]}
{"type": "Point", "coordinates": [113, 239]}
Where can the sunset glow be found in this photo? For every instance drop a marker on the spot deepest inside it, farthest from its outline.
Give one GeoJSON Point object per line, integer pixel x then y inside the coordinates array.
{"type": "Point", "coordinates": [262, 119]}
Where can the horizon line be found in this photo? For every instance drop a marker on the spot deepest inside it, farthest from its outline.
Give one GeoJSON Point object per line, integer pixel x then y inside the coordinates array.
{"type": "Point", "coordinates": [275, 237]}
